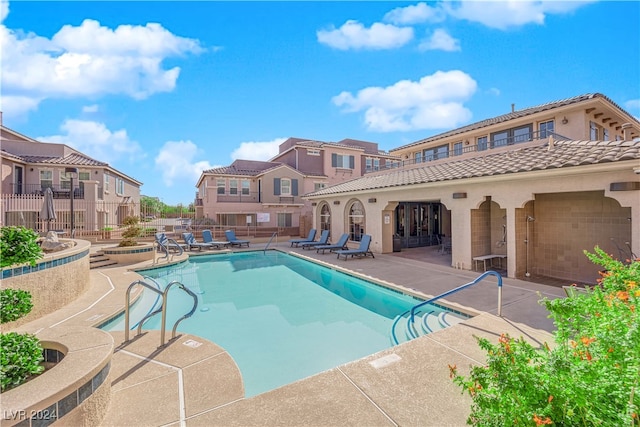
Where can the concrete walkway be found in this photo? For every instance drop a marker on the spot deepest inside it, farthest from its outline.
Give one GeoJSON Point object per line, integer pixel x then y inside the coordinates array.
{"type": "Point", "coordinates": [191, 381]}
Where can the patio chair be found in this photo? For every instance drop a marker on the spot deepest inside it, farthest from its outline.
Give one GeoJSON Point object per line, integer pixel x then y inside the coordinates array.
{"type": "Point", "coordinates": [324, 240]}
{"type": "Point", "coordinates": [193, 244]}
{"type": "Point", "coordinates": [207, 237]}
{"type": "Point", "coordinates": [310, 238]}
{"type": "Point", "coordinates": [362, 251]}
{"type": "Point", "coordinates": [164, 243]}
{"type": "Point", "coordinates": [233, 240]}
{"type": "Point", "coordinates": [340, 244]}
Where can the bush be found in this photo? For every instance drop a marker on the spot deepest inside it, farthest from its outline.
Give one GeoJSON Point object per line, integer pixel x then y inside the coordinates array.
{"type": "Point", "coordinates": [14, 303]}
{"type": "Point", "coordinates": [131, 233]}
{"type": "Point", "coordinates": [590, 377]}
{"type": "Point", "coordinates": [20, 358]}
{"type": "Point", "coordinates": [18, 245]}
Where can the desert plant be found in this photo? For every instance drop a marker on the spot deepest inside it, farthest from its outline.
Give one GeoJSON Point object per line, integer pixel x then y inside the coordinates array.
{"type": "Point", "coordinates": [18, 245]}
{"type": "Point", "coordinates": [591, 376]}
{"type": "Point", "coordinates": [132, 231]}
{"type": "Point", "coordinates": [14, 303]}
{"type": "Point", "coordinates": [20, 358]}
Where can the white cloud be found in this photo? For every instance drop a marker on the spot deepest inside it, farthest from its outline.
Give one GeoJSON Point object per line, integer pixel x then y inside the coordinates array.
{"type": "Point", "coordinates": [415, 14]}
{"type": "Point", "coordinates": [4, 10]}
{"type": "Point", "coordinates": [90, 108]}
{"type": "Point", "coordinates": [503, 15]}
{"type": "Point", "coordinates": [440, 40]}
{"type": "Point", "coordinates": [176, 162]}
{"type": "Point", "coordinates": [254, 150]}
{"type": "Point", "coordinates": [353, 35]}
{"type": "Point", "coordinates": [95, 140]}
{"type": "Point", "coordinates": [15, 106]}
{"type": "Point", "coordinates": [632, 104]}
{"type": "Point", "coordinates": [91, 60]}
{"type": "Point", "coordinates": [433, 102]}
{"type": "Point", "coordinates": [494, 91]}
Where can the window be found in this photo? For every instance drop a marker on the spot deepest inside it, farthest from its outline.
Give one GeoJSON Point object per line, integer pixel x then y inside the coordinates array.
{"type": "Point", "coordinates": [106, 183]}
{"type": "Point", "coordinates": [482, 143]}
{"type": "Point", "coordinates": [222, 185]}
{"type": "Point", "coordinates": [418, 157]}
{"type": "Point", "coordinates": [343, 161]}
{"type": "Point", "coordinates": [325, 217]}
{"type": "Point", "coordinates": [65, 181]}
{"type": "Point", "coordinates": [318, 186]}
{"type": "Point", "coordinates": [369, 164]}
{"type": "Point", "coordinates": [285, 187]}
{"type": "Point", "coordinates": [46, 179]}
{"type": "Point", "coordinates": [284, 219]}
{"type": "Point", "coordinates": [313, 152]}
{"type": "Point", "coordinates": [522, 134]}
{"type": "Point", "coordinates": [593, 131]}
{"type": "Point", "coordinates": [457, 148]}
{"type": "Point", "coordinates": [605, 134]}
{"type": "Point", "coordinates": [499, 139]}
{"type": "Point", "coordinates": [372, 164]}
{"type": "Point", "coordinates": [436, 153]}
{"type": "Point", "coordinates": [245, 187]}
{"type": "Point", "coordinates": [356, 221]}
{"type": "Point", "coordinates": [119, 186]}
{"type": "Point", "coordinates": [545, 128]}
{"type": "Point", "coordinates": [84, 176]}
{"type": "Point", "coordinates": [233, 186]}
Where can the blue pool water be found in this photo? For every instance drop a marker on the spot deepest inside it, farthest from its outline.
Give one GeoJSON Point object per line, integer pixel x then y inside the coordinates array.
{"type": "Point", "coordinates": [280, 317]}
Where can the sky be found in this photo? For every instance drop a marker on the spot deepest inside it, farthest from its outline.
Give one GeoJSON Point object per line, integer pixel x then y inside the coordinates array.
{"type": "Point", "coordinates": [164, 90]}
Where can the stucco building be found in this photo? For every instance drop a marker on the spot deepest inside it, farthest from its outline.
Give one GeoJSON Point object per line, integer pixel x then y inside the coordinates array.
{"type": "Point", "coordinates": [532, 188]}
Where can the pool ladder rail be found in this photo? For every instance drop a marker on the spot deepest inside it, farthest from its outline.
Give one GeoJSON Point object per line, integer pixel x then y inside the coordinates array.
{"type": "Point", "coordinates": [162, 309]}
{"type": "Point", "coordinates": [410, 329]}
{"type": "Point", "coordinates": [269, 242]}
{"type": "Point", "coordinates": [165, 248]}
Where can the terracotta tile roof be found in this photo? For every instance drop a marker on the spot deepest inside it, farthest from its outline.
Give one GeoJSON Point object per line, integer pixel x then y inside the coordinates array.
{"type": "Point", "coordinates": [243, 167]}
{"type": "Point", "coordinates": [72, 159]}
{"type": "Point", "coordinates": [526, 158]}
{"type": "Point", "coordinates": [509, 116]}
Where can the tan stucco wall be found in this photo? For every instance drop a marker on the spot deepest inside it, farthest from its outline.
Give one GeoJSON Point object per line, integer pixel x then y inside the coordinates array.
{"type": "Point", "coordinates": [53, 288]}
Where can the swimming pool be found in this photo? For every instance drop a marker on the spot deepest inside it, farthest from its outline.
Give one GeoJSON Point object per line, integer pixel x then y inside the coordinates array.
{"type": "Point", "coordinates": [280, 317]}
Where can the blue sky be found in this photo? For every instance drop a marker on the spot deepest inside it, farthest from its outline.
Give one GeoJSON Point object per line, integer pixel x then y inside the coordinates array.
{"type": "Point", "coordinates": [163, 90]}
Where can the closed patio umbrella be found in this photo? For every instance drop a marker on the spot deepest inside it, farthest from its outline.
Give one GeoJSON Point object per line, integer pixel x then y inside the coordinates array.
{"type": "Point", "coordinates": [48, 212]}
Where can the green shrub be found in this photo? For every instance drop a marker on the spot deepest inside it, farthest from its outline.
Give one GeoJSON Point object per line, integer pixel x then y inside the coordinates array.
{"type": "Point", "coordinates": [14, 303]}
{"type": "Point", "coordinates": [591, 376]}
{"type": "Point", "coordinates": [20, 358]}
{"type": "Point", "coordinates": [18, 245]}
{"type": "Point", "coordinates": [131, 233]}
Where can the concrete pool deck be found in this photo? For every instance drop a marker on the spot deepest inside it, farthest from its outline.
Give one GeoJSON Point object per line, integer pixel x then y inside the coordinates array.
{"type": "Point", "coordinates": [192, 381]}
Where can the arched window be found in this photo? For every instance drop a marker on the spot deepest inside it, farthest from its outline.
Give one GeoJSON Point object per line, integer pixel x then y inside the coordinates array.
{"type": "Point", "coordinates": [356, 221]}
{"type": "Point", "coordinates": [325, 217]}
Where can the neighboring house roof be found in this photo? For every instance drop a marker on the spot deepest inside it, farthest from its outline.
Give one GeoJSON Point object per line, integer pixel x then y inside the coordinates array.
{"type": "Point", "coordinates": [527, 158]}
{"type": "Point", "coordinates": [510, 116]}
{"type": "Point", "coordinates": [243, 167]}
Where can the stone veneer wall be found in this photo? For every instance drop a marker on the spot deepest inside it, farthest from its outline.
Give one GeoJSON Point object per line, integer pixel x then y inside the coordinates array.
{"type": "Point", "coordinates": [566, 224]}
{"type": "Point", "coordinates": [55, 281]}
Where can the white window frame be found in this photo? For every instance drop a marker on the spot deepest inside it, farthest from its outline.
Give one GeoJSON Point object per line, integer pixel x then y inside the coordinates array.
{"type": "Point", "coordinates": [319, 185]}
{"type": "Point", "coordinates": [119, 186]}
{"type": "Point", "coordinates": [49, 180]}
{"type": "Point", "coordinates": [285, 187]}
{"type": "Point", "coordinates": [246, 187]}
{"type": "Point", "coordinates": [221, 184]}
{"type": "Point", "coordinates": [233, 186]}
{"type": "Point", "coordinates": [106, 183]}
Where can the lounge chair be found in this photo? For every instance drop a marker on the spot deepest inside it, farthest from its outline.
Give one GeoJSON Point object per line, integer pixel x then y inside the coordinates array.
{"type": "Point", "coordinates": [324, 240]}
{"type": "Point", "coordinates": [310, 238]}
{"type": "Point", "coordinates": [233, 240]}
{"type": "Point", "coordinates": [207, 237]}
{"type": "Point", "coordinates": [164, 243]}
{"type": "Point", "coordinates": [193, 244]}
{"type": "Point", "coordinates": [362, 251]}
{"type": "Point", "coordinates": [340, 244]}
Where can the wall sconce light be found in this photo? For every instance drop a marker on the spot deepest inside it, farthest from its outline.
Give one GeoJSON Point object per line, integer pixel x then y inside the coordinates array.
{"type": "Point", "coordinates": [336, 202]}
{"type": "Point", "coordinates": [466, 142]}
{"type": "Point", "coordinates": [372, 200]}
{"type": "Point", "coordinates": [314, 204]}
{"type": "Point", "coordinates": [95, 172]}
{"type": "Point", "coordinates": [459, 195]}
{"type": "Point", "coordinates": [565, 120]}
{"type": "Point", "coordinates": [31, 169]}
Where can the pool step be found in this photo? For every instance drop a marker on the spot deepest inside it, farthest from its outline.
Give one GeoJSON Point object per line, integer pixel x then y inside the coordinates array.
{"type": "Point", "coordinates": [426, 322]}
{"type": "Point", "coordinates": [99, 259]}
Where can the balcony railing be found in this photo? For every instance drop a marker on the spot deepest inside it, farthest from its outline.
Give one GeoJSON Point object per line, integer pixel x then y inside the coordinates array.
{"type": "Point", "coordinates": [59, 192]}
{"type": "Point", "coordinates": [489, 145]}
{"type": "Point", "coordinates": [252, 197]}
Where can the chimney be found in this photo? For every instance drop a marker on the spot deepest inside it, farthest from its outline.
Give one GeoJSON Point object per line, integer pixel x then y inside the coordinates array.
{"type": "Point", "coordinates": [513, 107]}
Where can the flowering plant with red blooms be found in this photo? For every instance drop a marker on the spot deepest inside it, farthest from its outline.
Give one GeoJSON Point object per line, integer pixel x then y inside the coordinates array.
{"type": "Point", "coordinates": [590, 375]}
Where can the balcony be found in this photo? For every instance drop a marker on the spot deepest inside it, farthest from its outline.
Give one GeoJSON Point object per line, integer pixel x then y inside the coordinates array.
{"type": "Point", "coordinates": [59, 192]}
{"type": "Point", "coordinates": [487, 146]}
{"type": "Point", "coordinates": [252, 197]}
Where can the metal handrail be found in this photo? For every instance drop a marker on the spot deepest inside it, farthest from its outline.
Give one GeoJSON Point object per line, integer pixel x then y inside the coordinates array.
{"type": "Point", "coordinates": [186, 316]}
{"type": "Point", "coordinates": [275, 233]}
{"type": "Point", "coordinates": [127, 308]}
{"type": "Point", "coordinates": [413, 309]}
